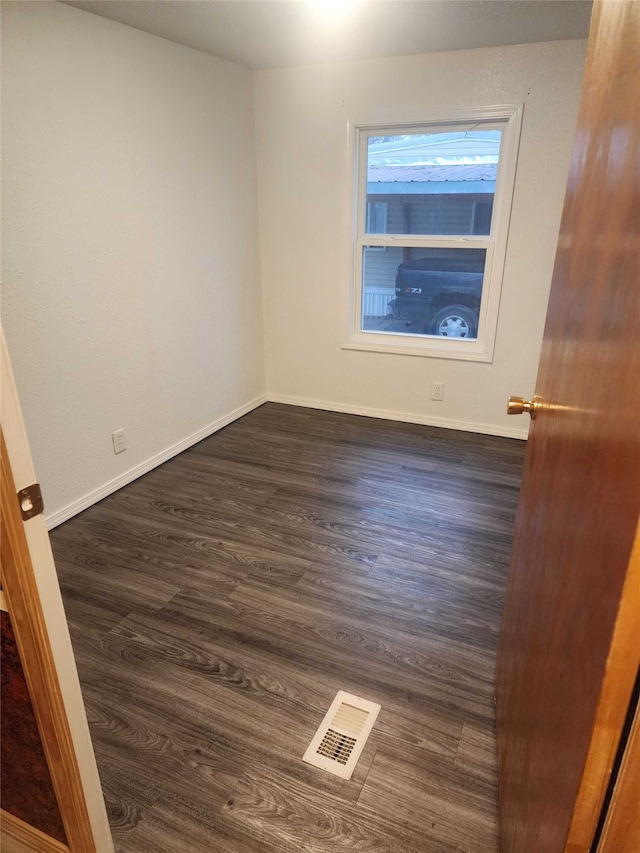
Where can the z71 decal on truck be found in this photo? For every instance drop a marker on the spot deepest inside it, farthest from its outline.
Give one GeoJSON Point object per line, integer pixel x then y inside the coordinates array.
{"type": "Point", "coordinates": [441, 301]}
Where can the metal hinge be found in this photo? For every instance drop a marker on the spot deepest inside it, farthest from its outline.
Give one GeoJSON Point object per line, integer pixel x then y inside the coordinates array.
{"type": "Point", "coordinates": [30, 500]}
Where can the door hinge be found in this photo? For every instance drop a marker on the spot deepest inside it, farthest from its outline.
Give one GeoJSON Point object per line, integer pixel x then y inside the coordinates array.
{"type": "Point", "coordinates": [30, 500]}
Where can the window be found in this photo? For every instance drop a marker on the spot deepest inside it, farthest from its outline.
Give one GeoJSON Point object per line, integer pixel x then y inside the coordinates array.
{"type": "Point", "coordinates": [431, 211]}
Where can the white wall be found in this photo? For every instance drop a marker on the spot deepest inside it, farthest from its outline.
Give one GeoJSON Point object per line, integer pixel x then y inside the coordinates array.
{"type": "Point", "coordinates": [305, 214]}
{"type": "Point", "coordinates": [131, 293]}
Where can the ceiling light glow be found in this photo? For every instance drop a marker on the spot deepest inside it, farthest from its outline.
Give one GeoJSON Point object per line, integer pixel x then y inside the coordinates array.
{"type": "Point", "coordinates": [333, 10]}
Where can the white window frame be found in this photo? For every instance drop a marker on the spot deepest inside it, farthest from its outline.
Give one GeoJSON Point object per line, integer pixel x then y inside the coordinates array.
{"type": "Point", "coordinates": [509, 119]}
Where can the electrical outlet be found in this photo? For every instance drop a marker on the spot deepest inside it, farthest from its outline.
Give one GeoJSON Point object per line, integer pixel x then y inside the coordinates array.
{"type": "Point", "coordinates": [119, 443]}
{"type": "Point", "coordinates": [437, 390]}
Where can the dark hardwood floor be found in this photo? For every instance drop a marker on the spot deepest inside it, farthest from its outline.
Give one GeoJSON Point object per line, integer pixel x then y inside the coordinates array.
{"type": "Point", "coordinates": [217, 605]}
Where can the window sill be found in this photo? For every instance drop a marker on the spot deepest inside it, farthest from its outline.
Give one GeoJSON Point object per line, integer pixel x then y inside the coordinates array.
{"type": "Point", "coordinates": [423, 347]}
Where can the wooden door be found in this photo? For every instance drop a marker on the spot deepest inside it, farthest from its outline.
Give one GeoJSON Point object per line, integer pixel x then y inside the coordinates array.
{"type": "Point", "coordinates": [569, 647]}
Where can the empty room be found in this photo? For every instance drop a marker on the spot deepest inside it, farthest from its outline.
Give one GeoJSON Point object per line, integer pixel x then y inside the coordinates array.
{"type": "Point", "coordinates": [281, 571]}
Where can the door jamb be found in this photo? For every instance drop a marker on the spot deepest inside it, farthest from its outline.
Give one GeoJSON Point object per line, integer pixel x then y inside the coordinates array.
{"type": "Point", "coordinates": [615, 694]}
{"type": "Point", "coordinates": [34, 602]}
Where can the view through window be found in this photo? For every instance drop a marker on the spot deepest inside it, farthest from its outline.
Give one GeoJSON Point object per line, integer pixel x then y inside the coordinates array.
{"type": "Point", "coordinates": [426, 231]}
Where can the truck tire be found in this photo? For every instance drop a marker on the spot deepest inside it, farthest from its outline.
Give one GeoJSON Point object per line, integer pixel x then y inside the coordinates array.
{"type": "Point", "coordinates": [454, 321]}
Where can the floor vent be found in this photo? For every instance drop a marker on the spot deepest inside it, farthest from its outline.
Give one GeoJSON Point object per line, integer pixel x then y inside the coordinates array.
{"type": "Point", "coordinates": [338, 743]}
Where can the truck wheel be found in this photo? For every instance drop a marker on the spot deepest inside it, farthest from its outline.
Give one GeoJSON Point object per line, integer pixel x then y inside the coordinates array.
{"type": "Point", "coordinates": [454, 321]}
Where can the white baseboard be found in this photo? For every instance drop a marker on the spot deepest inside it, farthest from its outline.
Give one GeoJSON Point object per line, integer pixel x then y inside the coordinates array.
{"type": "Point", "coordinates": [406, 417]}
{"type": "Point", "coordinates": [96, 495]}
{"type": "Point", "coordinates": [103, 491]}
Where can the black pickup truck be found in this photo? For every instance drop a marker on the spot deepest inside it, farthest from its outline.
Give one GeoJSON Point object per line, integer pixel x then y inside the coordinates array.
{"type": "Point", "coordinates": [438, 299]}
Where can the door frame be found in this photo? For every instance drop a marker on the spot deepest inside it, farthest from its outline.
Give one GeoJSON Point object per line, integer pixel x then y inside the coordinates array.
{"type": "Point", "coordinates": [33, 599]}
{"type": "Point", "coordinates": [616, 691]}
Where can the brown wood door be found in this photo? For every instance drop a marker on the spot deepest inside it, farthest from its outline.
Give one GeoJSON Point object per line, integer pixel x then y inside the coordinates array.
{"type": "Point", "coordinates": [569, 645]}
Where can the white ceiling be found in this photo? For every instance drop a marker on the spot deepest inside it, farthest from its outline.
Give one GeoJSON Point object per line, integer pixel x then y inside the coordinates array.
{"type": "Point", "coordinates": [276, 33]}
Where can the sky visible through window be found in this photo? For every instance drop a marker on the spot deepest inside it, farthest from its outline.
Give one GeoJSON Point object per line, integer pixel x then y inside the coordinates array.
{"type": "Point", "coordinates": [435, 149]}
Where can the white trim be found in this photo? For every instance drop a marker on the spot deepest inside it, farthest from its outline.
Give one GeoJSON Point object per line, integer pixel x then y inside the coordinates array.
{"type": "Point", "coordinates": [412, 120]}
{"type": "Point", "coordinates": [111, 486]}
{"type": "Point", "coordinates": [396, 343]}
{"type": "Point", "coordinates": [108, 488]}
{"type": "Point", "coordinates": [405, 417]}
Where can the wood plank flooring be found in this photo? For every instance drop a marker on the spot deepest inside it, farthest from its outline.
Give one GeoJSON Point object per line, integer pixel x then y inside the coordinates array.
{"type": "Point", "coordinates": [218, 604]}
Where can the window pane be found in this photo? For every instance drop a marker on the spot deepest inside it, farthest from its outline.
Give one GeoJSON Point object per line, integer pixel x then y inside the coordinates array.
{"type": "Point", "coordinates": [433, 183]}
{"type": "Point", "coordinates": [429, 292]}
{"type": "Point", "coordinates": [377, 217]}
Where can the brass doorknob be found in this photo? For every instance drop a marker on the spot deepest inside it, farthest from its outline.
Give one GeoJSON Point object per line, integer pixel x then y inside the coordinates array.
{"type": "Point", "coordinates": [518, 405]}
